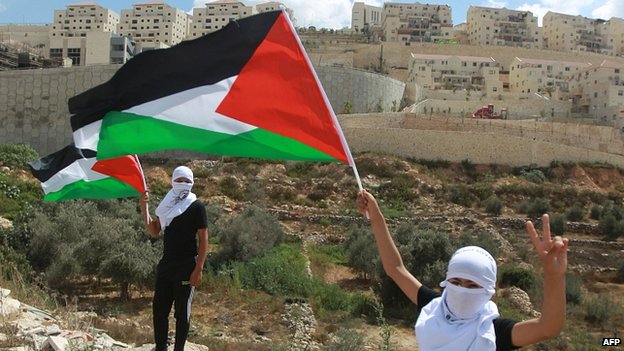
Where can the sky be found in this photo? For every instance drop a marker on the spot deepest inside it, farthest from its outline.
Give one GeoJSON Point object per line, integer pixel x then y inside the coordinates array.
{"type": "Point", "coordinates": [321, 13]}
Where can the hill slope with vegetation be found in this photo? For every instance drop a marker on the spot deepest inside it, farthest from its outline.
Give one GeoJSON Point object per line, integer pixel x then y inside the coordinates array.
{"type": "Point", "coordinates": [286, 234]}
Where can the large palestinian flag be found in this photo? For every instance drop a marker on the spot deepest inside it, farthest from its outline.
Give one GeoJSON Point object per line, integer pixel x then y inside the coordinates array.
{"type": "Point", "coordinates": [72, 173]}
{"type": "Point", "coordinates": [246, 90]}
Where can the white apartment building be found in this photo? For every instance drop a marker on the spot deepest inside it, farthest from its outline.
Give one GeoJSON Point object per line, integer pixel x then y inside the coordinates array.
{"type": "Point", "coordinates": [416, 22]}
{"type": "Point", "coordinates": [612, 32]}
{"type": "Point", "coordinates": [365, 16]}
{"type": "Point", "coordinates": [216, 15]}
{"type": "Point", "coordinates": [78, 19]}
{"type": "Point", "coordinates": [563, 32]}
{"type": "Point", "coordinates": [154, 25]}
{"type": "Point", "coordinates": [449, 72]}
{"type": "Point", "coordinates": [82, 32]}
{"type": "Point", "coordinates": [544, 77]}
{"type": "Point", "coordinates": [274, 6]}
{"type": "Point", "coordinates": [599, 91]}
{"type": "Point", "coordinates": [502, 27]}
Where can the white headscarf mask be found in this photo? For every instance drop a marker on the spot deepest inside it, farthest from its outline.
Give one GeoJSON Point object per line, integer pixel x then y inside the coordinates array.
{"type": "Point", "coordinates": [178, 199]}
{"type": "Point", "coordinates": [461, 319]}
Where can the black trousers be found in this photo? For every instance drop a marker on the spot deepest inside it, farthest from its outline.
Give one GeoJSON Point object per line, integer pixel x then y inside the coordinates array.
{"type": "Point", "coordinates": [172, 288]}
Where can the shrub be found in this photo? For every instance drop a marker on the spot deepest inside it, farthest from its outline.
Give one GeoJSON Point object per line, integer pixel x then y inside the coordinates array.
{"type": "Point", "coordinates": [345, 340]}
{"type": "Point", "coordinates": [574, 284]}
{"type": "Point", "coordinates": [230, 187]}
{"type": "Point", "coordinates": [535, 176]}
{"type": "Point", "coordinates": [493, 205]}
{"type": "Point", "coordinates": [595, 212]}
{"type": "Point", "coordinates": [518, 277]}
{"type": "Point", "coordinates": [610, 227]}
{"type": "Point", "coordinates": [361, 251]}
{"type": "Point", "coordinates": [251, 233]}
{"type": "Point", "coordinates": [558, 224]}
{"type": "Point", "coordinates": [538, 207]}
{"type": "Point", "coordinates": [470, 170]}
{"type": "Point", "coordinates": [461, 195]}
{"type": "Point", "coordinates": [600, 309]}
{"type": "Point", "coordinates": [281, 270]}
{"type": "Point", "coordinates": [482, 238]}
{"type": "Point", "coordinates": [17, 155]}
{"type": "Point", "coordinates": [575, 214]}
{"type": "Point", "coordinates": [400, 192]}
{"type": "Point", "coordinates": [620, 273]}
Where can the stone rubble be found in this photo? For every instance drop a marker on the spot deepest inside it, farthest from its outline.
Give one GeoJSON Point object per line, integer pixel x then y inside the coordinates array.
{"type": "Point", "coordinates": [38, 330]}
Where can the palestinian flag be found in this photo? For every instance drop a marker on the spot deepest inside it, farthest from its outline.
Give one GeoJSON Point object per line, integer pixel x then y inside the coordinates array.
{"type": "Point", "coordinates": [72, 173]}
{"type": "Point", "coordinates": [247, 90]}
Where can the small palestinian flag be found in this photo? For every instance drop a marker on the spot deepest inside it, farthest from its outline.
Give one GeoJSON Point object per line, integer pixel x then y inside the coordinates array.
{"type": "Point", "coordinates": [246, 90]}
{"type": "Point", "coordinates": [72, 173]}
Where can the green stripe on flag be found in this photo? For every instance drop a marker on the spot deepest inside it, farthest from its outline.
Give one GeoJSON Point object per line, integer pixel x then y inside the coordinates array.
{"type": "Point", "coordinates": [107, 188]}
{"type": "Point", "coordinates": [127, 133]}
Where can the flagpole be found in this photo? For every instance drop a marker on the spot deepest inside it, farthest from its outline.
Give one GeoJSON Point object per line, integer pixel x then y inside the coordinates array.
{"type": "Point", "coordinates": [142, 173]}
{"type": "Point", "coordinates": [343, 140]}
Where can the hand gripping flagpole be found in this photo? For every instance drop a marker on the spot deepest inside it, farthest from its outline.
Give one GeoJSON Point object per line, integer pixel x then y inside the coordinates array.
{"type": "Point", "coordinates": [343, 140]}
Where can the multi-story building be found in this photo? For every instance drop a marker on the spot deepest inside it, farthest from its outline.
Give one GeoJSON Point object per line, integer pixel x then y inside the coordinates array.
{"type": "Point", "coordinates": [364, 17]}
{"type": "Point", "coordinates": [599, 91]}
{"type": "Point", "coordinates": [415, 22]}
{"type": "Point", "coordinates": [502, 27]}
{"type": "Point", "coordinates": [154, 25]}
{"type": "Point", "coordinates": [527, 75]}
{"type": "Point", "coordinates": [78, 19]}
{"type": "Point", "coordinates": [450, 72]}
{"type": "Point", "coordinates": [563, 32]}
{"type": "Point", "coordinates": [82, 32]}
{"type": "Point", "coordinates": [274, 6]}
{"type": "Point", "coordinates": [613, 35]}
{"type": "Point", "coordinates": [216, 15]}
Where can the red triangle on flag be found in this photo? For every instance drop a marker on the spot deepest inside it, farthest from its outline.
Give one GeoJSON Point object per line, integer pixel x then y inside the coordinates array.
{"type": "Point", "coordinates": [126, 169]}
{"type": "Point", "coordinates": [278, 91]}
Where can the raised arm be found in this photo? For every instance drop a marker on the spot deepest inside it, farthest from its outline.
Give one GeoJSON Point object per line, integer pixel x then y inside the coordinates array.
{"type": "Point", "coordinates": [152, 226]}
{"type": "Point", "coordinates": [554, 257]}
{"type": "Point", "coordinates": [390, 257]}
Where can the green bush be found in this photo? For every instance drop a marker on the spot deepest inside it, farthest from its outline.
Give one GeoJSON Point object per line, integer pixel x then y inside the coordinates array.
{"type": "Point", "coordinates": [249, 234]}
{"type": "Point", "coordinates": [493, 205]}
{"type": "Point", "coordinates": [345, 340]}
{"type": "Point", "coordinates": [574, 294]}
{"type": "Point", "coordinates": [558, 224]}
{"type": "Point", "coordinates": [610, 226]}
{"type": "Point", "coordinates": [518, 277]}
{"type": "Point", "coordinates": [538, 207]}
{"type": "Point", "coordinates": [595, 212]}
{"type": "Point", "coordinates": [470, 170]}
{"type": "Point", "coordinates": [279, 271]}
{"type": "Point", "coordinates": [230, 187]}
{"type": "Point", "coordinates": [17, 155]}
{"type": "Point", "coordinates": [481, 238]}
{"type": "Point", "coordinates": [600, 309]}
{"type": "Point", "coordinates": [461, 195]}
{"type": "Point", "coordinates": [400, 192]}
{"type": "Point", "coordinates": [535, 176]}
{"type": "Point", "coordinates": [620, 273]}
{"type": "Point", "coordinates": [361, 251]}
{"type": "Point", "coordinates": [576, 214]}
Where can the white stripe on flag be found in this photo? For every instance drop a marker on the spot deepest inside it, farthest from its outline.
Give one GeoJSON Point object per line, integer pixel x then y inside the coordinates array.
{"type": "Point", "coordinates": [88, 136]}
{"type": "Point", "coordinates": [195, 108]}
{"type": "Point", "coordinates": [79, 170]}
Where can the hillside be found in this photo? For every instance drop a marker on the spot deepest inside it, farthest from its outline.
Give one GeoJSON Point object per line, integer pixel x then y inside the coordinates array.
{"type": "Point", "coordinates": [314, 203]}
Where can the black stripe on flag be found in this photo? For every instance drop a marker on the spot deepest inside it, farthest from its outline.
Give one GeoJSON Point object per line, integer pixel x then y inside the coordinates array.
{"type": "Point", "coordinates": [190, 64]}
{"type": "Point", "coordinates": [46, 167]}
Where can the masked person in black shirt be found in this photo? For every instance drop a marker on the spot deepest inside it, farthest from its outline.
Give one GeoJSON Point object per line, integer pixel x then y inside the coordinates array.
{"type": "Point", "coordinates": [183, 219]}
{"type": "Point", "coordinates": [463, 317]}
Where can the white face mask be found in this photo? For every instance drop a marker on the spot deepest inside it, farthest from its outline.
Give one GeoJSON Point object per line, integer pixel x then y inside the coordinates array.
{"type": "Point", "coordinates": [181, 189]}
{"type": "Point", "coordinates": [465, 303]}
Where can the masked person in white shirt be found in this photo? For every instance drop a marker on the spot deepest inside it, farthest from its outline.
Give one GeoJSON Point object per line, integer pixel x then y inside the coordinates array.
{"type": "Point", "coordinates": [183, 219]}
{"type": "Point", "coordinates": [463, 317]}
